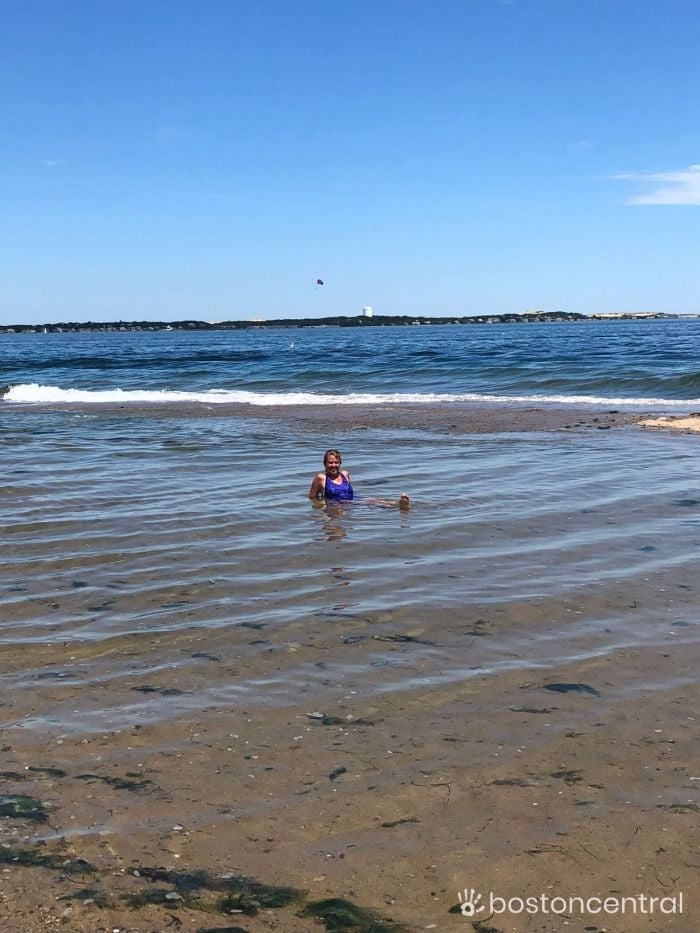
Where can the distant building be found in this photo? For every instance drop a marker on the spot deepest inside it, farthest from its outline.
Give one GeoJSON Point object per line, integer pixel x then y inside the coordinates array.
{"type": "Point", "coordinates": [367, 311]}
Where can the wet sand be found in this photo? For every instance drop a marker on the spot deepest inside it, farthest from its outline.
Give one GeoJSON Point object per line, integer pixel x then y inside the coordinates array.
{"type": "Point", "coordinates": [495, 783]}
{"type": "Point", "coordinates": [445, 417]}
{"type": "Point", "coordinates": [261, 752]}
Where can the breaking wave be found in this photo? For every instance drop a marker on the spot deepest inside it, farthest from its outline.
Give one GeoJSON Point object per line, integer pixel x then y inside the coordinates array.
{"type": "Point", "coordinates": [33, 393]}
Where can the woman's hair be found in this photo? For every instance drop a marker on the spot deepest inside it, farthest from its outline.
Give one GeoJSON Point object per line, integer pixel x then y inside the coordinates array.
{"type": "Point", "coordinates": [331, 453]}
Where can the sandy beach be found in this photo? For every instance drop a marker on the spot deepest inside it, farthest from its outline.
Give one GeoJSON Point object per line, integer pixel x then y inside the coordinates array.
{"type": "Point", "coordinates": [364, 751]}
{"type": "Point", "coordinates": [690, 423]}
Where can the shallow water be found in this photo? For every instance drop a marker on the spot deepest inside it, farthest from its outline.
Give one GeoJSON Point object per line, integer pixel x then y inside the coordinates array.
{"type": "Point", "coordinates": [135, 547]}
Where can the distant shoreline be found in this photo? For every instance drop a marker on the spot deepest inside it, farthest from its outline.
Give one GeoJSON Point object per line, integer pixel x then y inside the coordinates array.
{"type": "Point", "coordinates": [377, 320]}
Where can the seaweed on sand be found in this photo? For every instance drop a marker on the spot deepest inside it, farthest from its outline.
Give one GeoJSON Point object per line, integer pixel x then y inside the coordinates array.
{"type": "Point", "coordinates": [569, 777]}
{"type": "Point", "coordinates": [572, 688]}
{"type": "Point", "coordinates": [241, 893]}
{"type": "Point", "coordinates": [164, 691]}
{"type": "Point", "coordinates": [21, 807]}
{"type": "Point", "coordinates": [91, 895]}
{"type": "Point", "coordinates": [341, 916]}
{"type": "Point", "coordinates": [404, 639]}
{"type": "Point", "coordinates": [14, 855]}
{"type": "Point", "coordinates": [116, 782]}
{"type": "Point", "coordinates": [161, 897]}
{"type": "Point", "coordinates": [49, 772]}
{"type": "Point", "coordinates": [248, 895]}
{"type": "Point", "coordinates": [186, 881]}
{"type": "Point", "coordinates": [325, 720]}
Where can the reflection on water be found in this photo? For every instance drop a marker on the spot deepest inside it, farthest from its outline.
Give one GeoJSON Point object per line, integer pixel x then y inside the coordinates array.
{"type": "Point", "coordinates": [333, 513]}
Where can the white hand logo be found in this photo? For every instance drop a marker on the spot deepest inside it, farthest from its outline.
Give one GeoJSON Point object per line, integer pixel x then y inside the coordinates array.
{"type": "Point", "coordinates": [469, 902]}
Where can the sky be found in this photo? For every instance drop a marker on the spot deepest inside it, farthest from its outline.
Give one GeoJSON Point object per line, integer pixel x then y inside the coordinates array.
{"type": "Point", "coordinates": [173, 159]}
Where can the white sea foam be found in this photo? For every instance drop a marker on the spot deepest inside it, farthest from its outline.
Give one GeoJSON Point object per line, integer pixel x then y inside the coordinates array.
{"type": "Point", "coordinates": [32, 393]}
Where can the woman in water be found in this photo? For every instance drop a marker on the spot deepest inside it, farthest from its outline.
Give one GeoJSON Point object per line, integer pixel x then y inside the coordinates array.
{"type": "Point", "coordinates": [333, 484]}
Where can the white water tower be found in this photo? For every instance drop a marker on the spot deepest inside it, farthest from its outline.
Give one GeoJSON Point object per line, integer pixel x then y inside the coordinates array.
{"type": "Point", "coordinates": [367, 311]}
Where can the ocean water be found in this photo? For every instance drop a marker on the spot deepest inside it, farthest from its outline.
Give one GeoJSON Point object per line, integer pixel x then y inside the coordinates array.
{"type": "Point", "coordinates": [633, 363]}
{"type": "Point", "coordinates": [144, 533]}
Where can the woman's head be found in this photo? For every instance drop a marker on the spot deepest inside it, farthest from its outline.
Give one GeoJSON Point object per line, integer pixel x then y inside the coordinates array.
{"type": "Point", "coordinates": [332, 454]}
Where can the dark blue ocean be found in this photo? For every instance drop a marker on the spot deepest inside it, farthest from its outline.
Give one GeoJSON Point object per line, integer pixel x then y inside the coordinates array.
{"type": "Point", "coordinates": [648, 364]}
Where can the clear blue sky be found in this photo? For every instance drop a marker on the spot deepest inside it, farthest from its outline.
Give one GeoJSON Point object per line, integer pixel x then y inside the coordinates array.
{"type": "Point", "coordinates": [169, 159]}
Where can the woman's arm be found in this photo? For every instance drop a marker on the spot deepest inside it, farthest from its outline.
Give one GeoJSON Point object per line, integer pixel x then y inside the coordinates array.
{"type": "Point", "coordinates": [317, 486]}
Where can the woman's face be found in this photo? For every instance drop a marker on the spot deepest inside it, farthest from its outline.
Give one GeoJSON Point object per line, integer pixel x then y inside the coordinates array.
{"type": "Point", "coordinates": [332, 465]}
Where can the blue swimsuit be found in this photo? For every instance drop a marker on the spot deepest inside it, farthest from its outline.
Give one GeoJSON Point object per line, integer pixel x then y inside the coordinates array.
{"type": "Point", "coordinates": [340, 491]}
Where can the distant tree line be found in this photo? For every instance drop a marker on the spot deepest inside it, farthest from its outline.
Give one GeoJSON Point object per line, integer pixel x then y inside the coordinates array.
{"type": "Point", "coordinates": [377, 320]}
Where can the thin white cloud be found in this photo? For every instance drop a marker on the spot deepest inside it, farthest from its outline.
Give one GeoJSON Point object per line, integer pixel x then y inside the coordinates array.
{"type": "Point", "coordinates": [52, 163]}
{"type": "Point", "coordinates": [681, 187]}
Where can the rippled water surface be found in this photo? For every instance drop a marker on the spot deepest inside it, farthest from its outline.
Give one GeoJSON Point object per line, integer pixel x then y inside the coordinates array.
{"type": "Point", "coordinates": [137, 546]}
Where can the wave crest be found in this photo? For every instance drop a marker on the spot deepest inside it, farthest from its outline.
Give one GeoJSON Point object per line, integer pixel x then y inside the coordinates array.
{"type": "Point", "coordinates": [33, 393]}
